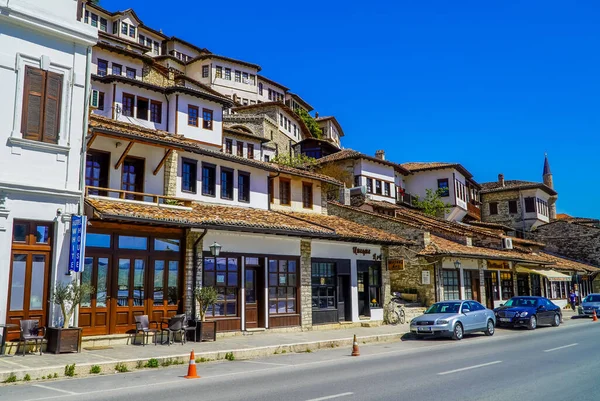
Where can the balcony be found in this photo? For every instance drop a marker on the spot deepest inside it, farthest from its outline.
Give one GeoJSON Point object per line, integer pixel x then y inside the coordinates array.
{"type": "Point", "coordinates": [137, 197]}
{"type": "Point", "coordinates": [473, 210]}
{"type": "Point", "coordinates": [407, 199]}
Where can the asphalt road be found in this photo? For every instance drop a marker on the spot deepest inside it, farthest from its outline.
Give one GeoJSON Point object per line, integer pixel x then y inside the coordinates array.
{"type": "Point", "coordinates": [545, 364]}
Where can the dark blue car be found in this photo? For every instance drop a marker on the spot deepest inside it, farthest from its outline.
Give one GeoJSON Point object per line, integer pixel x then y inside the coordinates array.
{"type": "Point", "coordinates": [529, 312]}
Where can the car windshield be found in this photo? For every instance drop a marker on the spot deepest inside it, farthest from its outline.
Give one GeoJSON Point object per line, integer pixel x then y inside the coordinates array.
{"type": "Point", "coordinates": [530, 302]}
{"type": "Point", "coordinates": [444, 307]}
{"type": "Point", "coordinates": [592, 298]}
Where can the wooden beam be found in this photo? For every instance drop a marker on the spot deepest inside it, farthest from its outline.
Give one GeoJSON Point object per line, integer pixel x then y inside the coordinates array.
{"type": "Point", "coordinates": [124, 155]}
{"type": "Point", "coordinates": [162, 162]}
{"type": "Point", "coordinates": [89, 143]}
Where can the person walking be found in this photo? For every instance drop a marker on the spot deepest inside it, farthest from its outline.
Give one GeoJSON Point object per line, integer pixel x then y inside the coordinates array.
{"type": "Point", "coordinates": [572, 298]}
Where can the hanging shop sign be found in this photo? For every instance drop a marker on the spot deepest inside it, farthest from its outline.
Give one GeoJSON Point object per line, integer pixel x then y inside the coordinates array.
{"type": "Point", "coordinates": [395, 265]}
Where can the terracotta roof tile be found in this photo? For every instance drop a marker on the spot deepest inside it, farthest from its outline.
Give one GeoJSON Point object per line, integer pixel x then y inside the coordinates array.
{"type": "Point", "coordinates": [204, 215]}
{"type": "Point", "coordinates": [495, 186]}
{"type": "Point", "coordinates": [425, 166]}
{"type": "Point", "coordinates": [347, 154]}
{"type": "Point", "coordinates": [569, 264]}
{"type": "Point", "coordinates": [441, 246]}
{"type": "Point", "coordinates": [349, 229]}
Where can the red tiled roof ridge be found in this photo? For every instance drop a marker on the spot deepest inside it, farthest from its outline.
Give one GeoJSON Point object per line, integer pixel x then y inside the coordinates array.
{"type": "Point", "coordinates": [354, 154]}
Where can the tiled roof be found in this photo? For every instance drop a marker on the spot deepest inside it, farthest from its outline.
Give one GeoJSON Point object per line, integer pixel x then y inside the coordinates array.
{"type": "Point", "coordinates": [495, 226]}
{"type": "Point", "coordinates": [347, 154]}
{"type": "Point", "coordinates": [204, 215]}
{"type": "Point", "coordinates": [569, 264]}
{"type": "Point", "coordinates": [133, 131]}
{"type": "Point", "coordinates": [349, 229]}
{"type": "Point", "coordinates": [425, 166]}
{"type": "Point", "coordinates": [382, 204]}
{"type": "Point", "coordinates": [443, 247]}
{"type": "Point", "coordinates": [301, 101]}
{"type": "Point", "coordinates": [509, 185]}
{"type": "Point", "coordinates": [563, 216]}
{"type": "Point", "coordinates": [273, 82]}
{"type": "Point", "coordinates": [223, 58]}
{"type": "Point", "coordinates": [244, 133]}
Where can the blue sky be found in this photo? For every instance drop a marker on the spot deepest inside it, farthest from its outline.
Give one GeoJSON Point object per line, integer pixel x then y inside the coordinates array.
{"type": "Point", "coordinates": [491, 85]}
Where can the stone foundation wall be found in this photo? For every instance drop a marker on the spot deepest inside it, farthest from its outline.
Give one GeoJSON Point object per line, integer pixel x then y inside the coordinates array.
{"type": "Point", "coordinates": [170, 179]}
{"type": "Point", "coordinates": [190, 266]}
{"type": "Point", "coordinates": [575, 241]}
{"type": "Point", "coordinates": [305, 283]}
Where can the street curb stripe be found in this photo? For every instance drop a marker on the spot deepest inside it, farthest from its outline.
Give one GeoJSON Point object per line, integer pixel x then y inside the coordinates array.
{"type": "Point", "coordinates": [330, 397]}
{"type": "Point", "coordinates": [564, 346]}
{"type": "Point", "coordinates": [469, 368]}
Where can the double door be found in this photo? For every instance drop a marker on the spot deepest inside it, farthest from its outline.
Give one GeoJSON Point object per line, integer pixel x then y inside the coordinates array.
{"type": "Point", "coordinates": [127, 285]}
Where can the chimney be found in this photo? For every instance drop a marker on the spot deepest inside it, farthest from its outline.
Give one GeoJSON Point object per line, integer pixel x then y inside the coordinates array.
{"type": "Point", "coordinates": [380, 154]}
{"type": "Point", "coordinates": [316, 114]}
{"type": "Point", "coordinates": [501, 179]}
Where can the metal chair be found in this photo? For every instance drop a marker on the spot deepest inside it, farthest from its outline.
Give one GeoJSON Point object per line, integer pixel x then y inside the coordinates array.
{"type": "Point", "coordinates": [142, 324]}
{"type": "Point", "coordinates": [187, 327]}
{"type": "Point", "coordinates": [175, 325]}
{"type": "Point", "coordinates": [30, 331]}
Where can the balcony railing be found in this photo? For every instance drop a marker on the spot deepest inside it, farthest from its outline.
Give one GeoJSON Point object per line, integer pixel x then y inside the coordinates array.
{"type": "Point", "coordinates": [473, 210]}
{"type": "Point", "coordinates": [407, 199]}
{"type": "Point", "coordinates": [137, 196]}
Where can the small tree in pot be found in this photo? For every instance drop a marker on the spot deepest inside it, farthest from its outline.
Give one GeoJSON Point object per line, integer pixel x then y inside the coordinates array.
{"type": "Point", "coordinates": [67, 296]}
{"type": "Point", "coordinates": [206, 297]}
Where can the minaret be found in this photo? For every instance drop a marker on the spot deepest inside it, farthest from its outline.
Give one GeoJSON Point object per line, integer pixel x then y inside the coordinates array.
{"type": "Point", "coordinates": [549, 182]}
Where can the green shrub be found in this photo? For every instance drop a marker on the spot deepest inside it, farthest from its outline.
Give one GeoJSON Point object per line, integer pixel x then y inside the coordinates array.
{"type": "Point", "coordinates": [70, 370]}
{"type": "Point", "coordinates": [43, 377]}
{"type": "Point", "coordinates": [139, 364]}
{"type": "Point", "coordinates": [121, 367]}
{"type": "Point", "coordinates": [55, 376]}
{"type": "Point", "coordinates": [12, 378]}
{"type": "Point", "coordinates": [27, 378]}
{"type": "Point", "coordinates": [152, 363]}
{"type": "Point", "coordinates": [229, 356]}
{"type": "Point", "coordinates": [95, 369]}
{"type": "Point", "coordinates": [203, 359]}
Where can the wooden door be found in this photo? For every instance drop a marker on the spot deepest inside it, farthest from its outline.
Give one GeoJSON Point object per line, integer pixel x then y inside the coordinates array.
{"type": "Point", "coordinates": [29, 273]}
{"type": "Point", "coordinates": [94, 312]}
{"type": "Point", "coordinates": [475, 289]}
{"type": "Point", "coordinates": [132, 176]}
{"type": "Point", "coordinates": [128, 293]}
{"type": "Point", "coordinates": [363, 302]}
{"type": "Point", "coordinates": [164, 286]}
{"type": "Point", "coordinates": [28, 292]}
{"type": "Point", "coordinates": [251, 298]}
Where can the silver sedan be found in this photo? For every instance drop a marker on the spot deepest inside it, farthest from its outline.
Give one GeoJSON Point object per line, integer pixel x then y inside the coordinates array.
{"type": "Point", "coordinates": [454, 319]}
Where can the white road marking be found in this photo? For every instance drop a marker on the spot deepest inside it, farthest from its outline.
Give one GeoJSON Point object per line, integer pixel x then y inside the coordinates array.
{"type": "Point", "coordinates": [564, 346]}
{"type": "Point", "coordinates": [470, 367]}
{"type": "Point", "coordinates": [267, 363]}
{"type": "Point", "coordinates": [55, 389]}
{"type": "Point", "coordinates": [330, 397]}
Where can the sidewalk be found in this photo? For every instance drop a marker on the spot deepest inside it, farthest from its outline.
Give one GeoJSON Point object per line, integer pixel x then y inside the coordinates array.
{"type": "Point", "coordinates": [254, 345]}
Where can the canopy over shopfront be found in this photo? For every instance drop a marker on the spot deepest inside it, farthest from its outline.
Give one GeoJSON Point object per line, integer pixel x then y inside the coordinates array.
{"type": "Point", "coordinates": [551, 275]}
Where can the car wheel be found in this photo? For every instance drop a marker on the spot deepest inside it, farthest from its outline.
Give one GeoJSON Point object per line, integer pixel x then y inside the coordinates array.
{"type": "Point", "coordinates": [532, 323]}
{"type": "Point", "coordinates": [489, 331]}
{"type": "Point", "coordinates": [458, 332]}
{"type": "Point", "coordinates": [556, 320]}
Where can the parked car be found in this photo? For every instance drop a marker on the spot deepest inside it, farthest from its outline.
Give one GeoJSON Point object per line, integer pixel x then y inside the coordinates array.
{"type": "Point", "coordinates": [529, 312]}
{"type": "Point", "coordinates": [590, 304]}
{"type": "Point", "coordinates": [454, 319]}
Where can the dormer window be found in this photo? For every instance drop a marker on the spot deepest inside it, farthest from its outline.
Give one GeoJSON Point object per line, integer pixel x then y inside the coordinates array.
{"type": "Point", "coordinates": [115, 27]}
{"type": "Point", "coordinates": [156, 48]}
{"type": "Point", "coordinates": [205, 71]}
{"type": "Point", "coordinates": [132, 31]}
{"type": "Point", "coordinates": [95, 20]}
{"type": "Point", "coordinates": [142, 39]}
{"type": "Point", "coordinates": [124, 28]}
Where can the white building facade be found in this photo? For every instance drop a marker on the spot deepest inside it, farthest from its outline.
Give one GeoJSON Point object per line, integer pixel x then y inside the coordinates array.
{"type": "Point", "coordinates": [45, 75]}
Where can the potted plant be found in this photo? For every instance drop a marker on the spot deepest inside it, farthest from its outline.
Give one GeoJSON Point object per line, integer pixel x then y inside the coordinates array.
{"type": "Point", "coordinates": [206, 297]}
{"type": "Point", "coordinates": [68, 297]}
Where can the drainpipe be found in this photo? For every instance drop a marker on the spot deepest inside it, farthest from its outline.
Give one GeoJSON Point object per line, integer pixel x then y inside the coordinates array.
{"type": "Point", "coordinates": [195, 271]}
{"type": "Point", "coordinates": [86, 114]}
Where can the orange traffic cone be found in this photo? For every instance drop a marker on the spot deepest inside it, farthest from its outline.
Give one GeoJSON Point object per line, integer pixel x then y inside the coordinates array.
{"type": "Point", "coordinates": [355, 351]}
{"type": "Point", "coordinates": [594, 317]}
{"type": "Point", "coordinates": [192, 374]}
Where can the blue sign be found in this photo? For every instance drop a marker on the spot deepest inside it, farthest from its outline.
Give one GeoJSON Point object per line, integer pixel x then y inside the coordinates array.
{"type": "Point", "coordinates": [77, 248]}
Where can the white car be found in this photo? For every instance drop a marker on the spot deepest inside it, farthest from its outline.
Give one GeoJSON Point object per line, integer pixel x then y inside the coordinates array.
{"type": "Point", "coordinates": [454, 319]}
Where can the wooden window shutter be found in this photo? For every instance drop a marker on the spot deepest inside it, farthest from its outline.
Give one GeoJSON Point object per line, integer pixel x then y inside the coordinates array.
{"type": "Point", "coordinates": [33, 94]}
{"type": "Point", "coordinates": [52, 107]}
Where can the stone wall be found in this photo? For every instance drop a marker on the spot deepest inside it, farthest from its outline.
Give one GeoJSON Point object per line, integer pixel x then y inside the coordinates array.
{"type": "Point", "coordinates": [503, 217]}
{"type": "Point", "coordinates": [305, 283]}
{"type": "Point", "coordinates": [411, 276]}
{"type": "Point", "coordinates": [170, 180]}
{"type": "Point", "coordinates": [152, 76]}
{"type": "Point", "coordinates": [190, 266]}
{"type": "Point", "coordinates": [575, 241]}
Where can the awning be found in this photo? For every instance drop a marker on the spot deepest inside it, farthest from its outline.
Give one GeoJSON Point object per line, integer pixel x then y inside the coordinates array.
{"type": "Point", "coordinates": [551, 275]}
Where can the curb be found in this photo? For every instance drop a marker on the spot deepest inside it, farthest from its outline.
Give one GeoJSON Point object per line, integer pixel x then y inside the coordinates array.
{"type": "Point", "coordinates": [131, 365]}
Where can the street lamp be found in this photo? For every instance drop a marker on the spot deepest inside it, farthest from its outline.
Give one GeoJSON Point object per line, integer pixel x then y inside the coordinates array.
{"type": "Point", "coordinates": [457, 264]}
{"type": "Point", "coordinates": [215, 249]}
